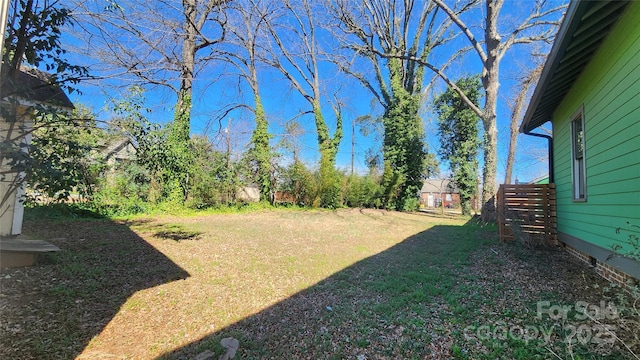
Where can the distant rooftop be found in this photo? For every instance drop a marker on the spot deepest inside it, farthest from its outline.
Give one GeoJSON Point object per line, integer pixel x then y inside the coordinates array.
{"type": "Point", "coordinates": [438, 186]}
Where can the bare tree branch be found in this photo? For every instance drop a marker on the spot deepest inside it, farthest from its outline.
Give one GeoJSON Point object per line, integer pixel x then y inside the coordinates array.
{"type": "Point", "coordinates": [463, 27]}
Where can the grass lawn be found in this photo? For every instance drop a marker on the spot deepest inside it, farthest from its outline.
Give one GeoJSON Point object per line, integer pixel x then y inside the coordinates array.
{"type": "Point", "coordinates": [345, 284]}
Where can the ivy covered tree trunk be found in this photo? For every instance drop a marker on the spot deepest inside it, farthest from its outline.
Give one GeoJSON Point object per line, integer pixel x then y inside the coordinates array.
{"type": "Point", "coordinates": [404, 153]}
{"type": "Point", "coordinates": [404, 148]}
{"type": "Point", "coordinates": [329, 190]}
{"type": "Point", "coordinates": [179, 135]}
{"type": "Point", "coordinates": [182, 117]}
{"type": "Point", "coordinates": [246, 27]}
{"type": "Point", "coordinates": [261, 152]}
{"type": "Point", "coordinates": [180, 158]}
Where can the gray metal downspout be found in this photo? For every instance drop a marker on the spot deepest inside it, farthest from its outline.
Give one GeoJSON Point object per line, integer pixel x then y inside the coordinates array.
{"type": "Point", "coordinates": [550, 139]}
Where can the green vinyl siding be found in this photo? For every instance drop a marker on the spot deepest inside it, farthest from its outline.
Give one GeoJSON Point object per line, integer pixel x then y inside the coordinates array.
{"type": "Point", "coordinates": [609, 91]}
{"type": "Point", "coordinates": [542, 181]}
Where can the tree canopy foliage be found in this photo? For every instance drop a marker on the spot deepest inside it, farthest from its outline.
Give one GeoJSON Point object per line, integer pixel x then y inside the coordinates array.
{"type": "Point", "coordinates": [459, 140]}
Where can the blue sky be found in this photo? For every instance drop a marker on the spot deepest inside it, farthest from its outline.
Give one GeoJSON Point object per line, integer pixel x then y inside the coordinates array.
{"type": "Point", "coordinates": [213, 92]}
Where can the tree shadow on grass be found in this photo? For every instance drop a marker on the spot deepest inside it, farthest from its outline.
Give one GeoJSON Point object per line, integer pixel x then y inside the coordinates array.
{"type": "Point", "coordinates": [100, 265]}
{"type": "Point", "coordinates": [164, 231]}
{"type": "Point", "coordinates": [364, 310]}
{"type": "Point", "coordinates": [177, 235]}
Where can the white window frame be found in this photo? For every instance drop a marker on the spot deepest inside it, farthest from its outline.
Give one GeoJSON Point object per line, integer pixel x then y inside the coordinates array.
{"type": "Point", "coordinates": [578, 157]}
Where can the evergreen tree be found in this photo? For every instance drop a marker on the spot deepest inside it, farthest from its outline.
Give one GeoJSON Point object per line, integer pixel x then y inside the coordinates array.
{"type": "Point", "coordinates": [459, 141]}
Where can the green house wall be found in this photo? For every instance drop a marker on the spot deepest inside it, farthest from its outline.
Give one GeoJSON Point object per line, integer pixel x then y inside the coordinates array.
{"type": "Point", "coordinates": [609, 90]}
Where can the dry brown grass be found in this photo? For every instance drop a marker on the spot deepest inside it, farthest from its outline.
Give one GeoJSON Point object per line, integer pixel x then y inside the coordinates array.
{"type": "Point", "coordinates": [241, 265]}
{"type": "Point", "coordinates": [237, 265]}
{"type": "Point", "coordinates": [364, 284]}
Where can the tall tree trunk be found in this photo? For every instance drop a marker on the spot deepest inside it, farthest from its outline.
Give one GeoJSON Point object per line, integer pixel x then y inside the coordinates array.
{"type": "Point", "coordinates": [491, 84]}
{"type": "Point", "coordinates": [403, 148]}
{"type": "Point", "coordinates": [179, 134]}
{"type": "Point", "coordinates": [511, 153]}
{"type": "Point", "coordinates": [329, 187]}
{"type": "Point", "coordinates": [514, 128]}
{"type": "Point", "coordinates": [489, 170]}
{"type": "Point", "coordinates": [262, 150]}
{"type": "Point", "coordinates": [490, 50]}
{"type": "Point", "coordinates": [181, 126]}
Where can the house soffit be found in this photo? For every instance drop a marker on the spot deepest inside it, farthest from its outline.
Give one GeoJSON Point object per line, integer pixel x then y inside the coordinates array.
{"type": "Point", "coordinates": [584, 28]}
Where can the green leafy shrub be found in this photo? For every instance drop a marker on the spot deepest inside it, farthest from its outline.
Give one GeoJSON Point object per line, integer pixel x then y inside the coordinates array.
{"type": "Point", "coordinates": [214, 179]}
{"type": "Point", "coordinates": [123, 191]}
{"type": "Point", "coordinates": [328, 186]}
{"type": "Point", "coordinates": [60, 160]}
{"type": "Point", "coordinates": [362, 191]}
{"type": "Point", "coordinates": [299, 182]}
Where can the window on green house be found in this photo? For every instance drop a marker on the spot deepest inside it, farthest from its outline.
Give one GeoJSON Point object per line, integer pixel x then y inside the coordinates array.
{"type": "Point", "coordinates": [578, 150]}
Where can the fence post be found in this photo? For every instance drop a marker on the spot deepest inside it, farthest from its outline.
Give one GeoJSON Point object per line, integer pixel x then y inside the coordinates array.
{"type": "Point", "coordinates": [500, 202]}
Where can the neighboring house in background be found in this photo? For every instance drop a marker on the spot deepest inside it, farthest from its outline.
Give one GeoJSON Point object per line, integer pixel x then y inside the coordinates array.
{"type": "Point", "coordinates": [590, 91]}
{"type": "Point", "coordinates": [31, 88]}
{"type": "Point", "coordinates": [118, 151]}
{"type": "Point", "coordinates": [250, 193]}
{"type": "Point", "coordinates": [435, 192]}
{"type": "Point", "coordinates": [541, 180]}
{"type": "Point", "coordinates": [284, 197]}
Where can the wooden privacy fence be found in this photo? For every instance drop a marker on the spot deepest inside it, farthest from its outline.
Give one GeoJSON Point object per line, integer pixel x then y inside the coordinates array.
{"type": "Point", "coordinates": [527, 211]}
